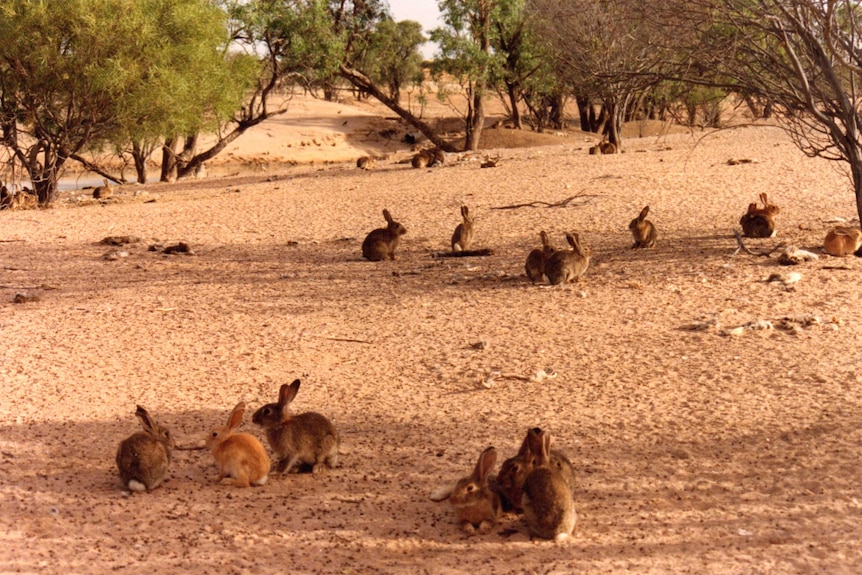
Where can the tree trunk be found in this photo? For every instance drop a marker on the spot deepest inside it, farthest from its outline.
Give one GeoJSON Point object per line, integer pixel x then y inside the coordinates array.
{"type": "Point", "coordinates": [584, 111]}
{"type": "Point", "coordinates": [140, 159]}
{"type": "Point", "coordinates": [556, 117]}
{"type": "Point", "coordinates": [169, 160]}
{"type": "Point", "coordinates": [362, 82]}
{"type": "Point", "coordinates": [514, 97]}
{"type": "Point", "coordinates": [475, 121]}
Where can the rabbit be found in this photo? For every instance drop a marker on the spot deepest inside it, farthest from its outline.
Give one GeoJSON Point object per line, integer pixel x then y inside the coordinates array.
{"type": "Point", "coordinates": [565, 266]}
{"type": "Point", "coordinates": [308, 438]}
{"type": "Point", "coordinates": [239, 456]}
{"type": "Point", "coordinates": [365, 163]}
{"type": "Point", "coordinates": [509, 482]}
{"type": "Point", "coordinates": [547, 498]}
{"type": "Point", "coordinates": [643, 231]}
{"type": "Point", "coordinates": [143, 458]}
{"type": "Point", "coordinates": [759, 222]}
{"type": "Point", "coordinates": [103, 192]}
{"type": "Point", "coordinates": [463, 236]}
{"type": "Point", "coordinates": [843, 241]}
{"type": "Point", "coordinates": [537, 258]}
{"type": "Point", "coordinates": [477, 507]}
{"type": "Point", "coordinates": [603, 148]}
{"type": "Point", "coordinates": [380, 244]}
{"type": "Point", "coordinates": [421, 160]}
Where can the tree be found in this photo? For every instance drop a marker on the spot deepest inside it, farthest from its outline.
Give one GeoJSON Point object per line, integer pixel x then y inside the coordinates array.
{"type": "Point", "coordinates": [604, 48]}
{"type": "Point", "coordinates": [465, 54]}
{"type": "Point", "coordinates": [72, 73]}
{"type": "Point", "coordinates": [393, 57]}
{"type": "Point", "coordinates": [799, 58]}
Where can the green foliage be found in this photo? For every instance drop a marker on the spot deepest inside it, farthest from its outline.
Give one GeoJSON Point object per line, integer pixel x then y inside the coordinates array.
{"type": "Point", "coordinates": [393, 57]}
{"type": "Point", "coordinates": [82, 72]}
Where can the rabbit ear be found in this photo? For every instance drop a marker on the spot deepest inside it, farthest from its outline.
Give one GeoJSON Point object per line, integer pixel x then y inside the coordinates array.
{"type": "Point", "coordinates": [145, 418]}
{"type": "Point", "coordinates": [764, 200]}
{"type": "Point", "coordinates": [443, 493]}
{"type": "Point", "coordinates": [572, 239]}
{"type": "Point", "coordinates": [287, 393]}
{"type": "Point", "coordinates": [545, 240]}
{"type": "Point", "coordinates": [387, 216]}
{"type": "Point", "coordinates": [545, 455]}
{"type": "Point", "coordinates": [644, 213]}
{"type": "Point", "coordinates": [236, 415]}
{"type": "Point", "coordinates": [464, 213]}
{"type": "Point", "coordinates": [752, 207]}
{"type": "Point", "coordinates": [485, 465]}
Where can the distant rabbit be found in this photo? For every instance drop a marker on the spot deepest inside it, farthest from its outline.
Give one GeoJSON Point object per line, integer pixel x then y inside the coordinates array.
{"type": "Point", "coordinates": [643, 231]}
{"type": "Point", "coordinates": [143, 457]}
{"type": "Point", "coordinates": [365, 163]}
{"type": "Point", "coordinates": [428, 158]}
{"type": "Point", "coordinates": [380, 244]}
{"type": "Point", "coordinates": [476, 506]}
{"type": "Point", "coordinates": [239, 456]}
{"type": "Point", "coordinates": [509, 482]}
{"type": "Point", "coordinates": [843, 241]}
{"type": "Point", "coordinates": [759, 222]}
{"type": "Point", "coordinates": [103, 192]}
{"type": "Point", "coordinates": [463, 236]}
{"type": "Point", "coordinates": [603, 148]}
{"type": "Point", "coordinates": [547, 498]}
{"type": "Point", "coordinates": [566, 266]}
{"type": "Point", "coordinates": [536, 259]}
{"type": "Point", "coordinates": [307, 438]}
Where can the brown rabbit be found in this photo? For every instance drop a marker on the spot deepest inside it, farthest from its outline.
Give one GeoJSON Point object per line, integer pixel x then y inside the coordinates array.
{"type": "Point", "coordinates": [463, 236]}
{"type": "Point", "coordinates": [307, 438]}
{"type": "Point", "coordinates": [643, 231]}
{"type": "Point", "coordinates": [509, 482]}
{"type": "Point", "coordinates": [547, 498]}
{"type": "Point", "coordinates": [759, 222]}
{"type": "Point", "coordinates": [103, 192]}
{"type": "Point", "coordinates": [365, 163]}
{"type": "Point", "coordinates": [239, 456]}
{"type": "Point", "coordinates": [537, 258]}
{"type": "Point", "coordinates": [143, 458]}
{"type": "Point", "coordinates": [566, 266]}
{"type": "Point", "coordinates": [843, 241]}
{"type": "Point", "coordinates": [476, 506]}
{"type": "Point", "coordinates": [421, 160]}
{"type": "Point", "coordinates": [603, 148]}
{"type": "Point", "coordinates": [380, 244]}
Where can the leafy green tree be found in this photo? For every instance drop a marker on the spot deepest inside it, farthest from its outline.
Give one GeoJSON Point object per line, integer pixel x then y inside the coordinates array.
{"type": "Point", "coordinates": [72, 74]}
{"type": "Point", "coordinates": [466, 55]}
{"type": "Point", "coordinates": [393, 58]}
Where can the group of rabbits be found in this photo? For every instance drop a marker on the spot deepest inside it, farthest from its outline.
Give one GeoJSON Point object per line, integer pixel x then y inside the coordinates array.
{"type": "Point", "coordinates": [538, 482]}
{"type": "Point", "coordinates": [760, 223]}
{"type": "Point", "coordinates": [557, 265]}
{"type": "Point", "coordinates": [307, 440]}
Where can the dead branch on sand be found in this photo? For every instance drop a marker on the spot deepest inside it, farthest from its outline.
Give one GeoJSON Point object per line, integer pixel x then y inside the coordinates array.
{"type": "Point", "coordinates": [538, 203]}
{"type": "Point", "coordinates": [741, 247]}
{"type": "Point", "coordinates": [464, 254]}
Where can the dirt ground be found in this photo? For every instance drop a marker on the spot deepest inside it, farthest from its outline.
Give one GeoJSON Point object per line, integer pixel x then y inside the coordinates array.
{"type": "Point", "coordinates": [695, 451]}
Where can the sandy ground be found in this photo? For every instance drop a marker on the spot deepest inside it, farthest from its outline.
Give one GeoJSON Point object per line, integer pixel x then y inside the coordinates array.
{"type": "Point", "coordinates": [695, 452]}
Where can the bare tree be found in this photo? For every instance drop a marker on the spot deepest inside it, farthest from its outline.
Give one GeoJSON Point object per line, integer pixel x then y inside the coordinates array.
{"type": "Point", "coordinates": [801, 59]}
{"type": "Point", "coordinates": [604, 48]}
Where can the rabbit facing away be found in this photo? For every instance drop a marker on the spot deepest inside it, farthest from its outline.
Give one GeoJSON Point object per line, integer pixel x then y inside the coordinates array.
{"type": "Point", "coordinates": [143, 458]}
{"type": "Point", "coordinates": [759, 222]}
{"type": "Point", "coordinates": [428, 158]}
{"type": "Point", "coordinates": [380, 244]}
{"type": "Point", "coordinates": [307, 438]}
{"type": "Point", "coordinates": [462, 239]}
{"type": "Point", "coordinates": [509, 482]}
{"type": "Point", "coordinates": [843, 241]}
{"type": "Point", "coordinates": [239, 456]}
{"type": "Point", "coordinates": [477, 507]}
{"type": "Point", "coordinates": [537, 258]}
{"type": "Point", "coordinates": [365, 163]}
{"type": "Point", "coordinates": [643, 231]}
{"type": "Point", "coordinates": [566, 266]}
{"type": "Point", "coordinates": [549, 508]}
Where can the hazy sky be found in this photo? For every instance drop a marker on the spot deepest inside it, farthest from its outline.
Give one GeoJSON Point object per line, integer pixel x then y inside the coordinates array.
{"type": "Point", "coordinates": [423, 11]}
